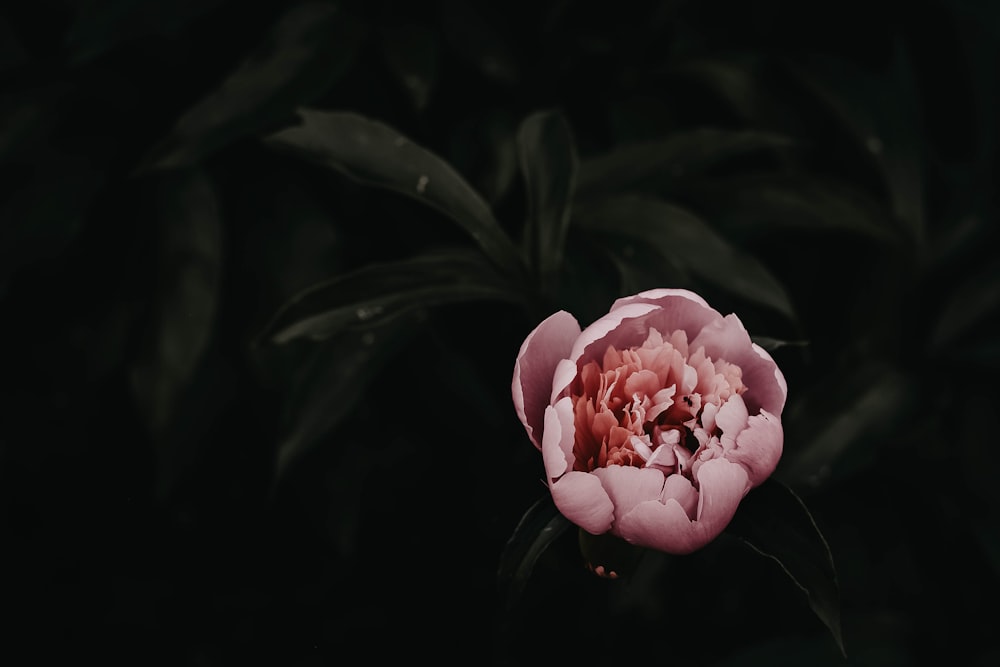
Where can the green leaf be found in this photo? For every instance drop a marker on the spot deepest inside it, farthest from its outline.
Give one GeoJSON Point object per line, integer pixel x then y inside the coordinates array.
{"type": "Point", "coordinates": [690, 244]}
{"type": "Point", "coordinates": [650, 165]}
{"type": "Point", "coordinates": [332, 382]}
{"type": "Point", "coordinates": [769, 203]}
{"type": "Point", "coordinates": [376, 154]}
{"type": "Point", "coordinates": [775, 522]}
{"type": "Point", "coordinates": [189, 233]}
{"type": "Point", "coordinates": [380, 292]}
{"type": "Point", "coordinates": [548, 160]}
{"type": "Point", "coordinates": [309, 48]}
{"type": "Point", "coordinates": [538, 528]}
{"type": "Point", "coordinates": [736, 81]}
{"type": "Point", "coordinates": [974, 300]}
{"type": "Point", "coordinates": [839, 424]}
{"type": "Point", "coordinates": [881, 109]}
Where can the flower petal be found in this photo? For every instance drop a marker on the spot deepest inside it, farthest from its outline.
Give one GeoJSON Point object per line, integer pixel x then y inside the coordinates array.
{"type": "Point", "coordinates": [557, 438]}
{"type": "Point", "coordinates": [680, 489]}
{"type": "Point", "coordinates": [612, 329]}
{"type": "Point", "coordinates": [727, 339]}
{"type": "Point", "coordinates": [536, 362]}
{"type": "Point", "coordinates": [660, 297]}
{"type": "Point", "coordinates": [677, 309]}
{"type": "Point", "coordinates": [628, 486]}
{"type": "Point", "coordinates": [582, 499]}
{"type": "Point", "coordinates": [732, 419]}
{"type": "Point", "coordinates": [779, 377]}
{"type": "Point", "coordinates": [666, 526]}
{"type": "Point", "coordinates": [759, 446]}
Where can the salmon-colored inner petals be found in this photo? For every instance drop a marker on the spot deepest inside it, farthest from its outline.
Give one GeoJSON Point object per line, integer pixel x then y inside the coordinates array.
{"type": "Point", "coordinates": [654, 405]}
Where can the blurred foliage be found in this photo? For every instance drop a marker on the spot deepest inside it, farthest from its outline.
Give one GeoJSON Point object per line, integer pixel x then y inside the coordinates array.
{"type": "Point", "coordinates": [265, 267]}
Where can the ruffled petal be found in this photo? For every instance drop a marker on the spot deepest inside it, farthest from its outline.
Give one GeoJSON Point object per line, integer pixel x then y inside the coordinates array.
{"type": "Point", "coordinates": [759, 447]}
{"type": "Point", "coordinates": [557, 439]}
{"type": "Point", "coordinates": [582, 499]}
{"type": "Point", "coordinates": [727, 339]}
{"type": "Point", "coordinates": [667, 527]}
{"type": "Point", "coordinates": [621, 328]}
{"type": "Point", "coordinates": [732, 419]}
{"type": "Point", "coordinates": [536, 362]}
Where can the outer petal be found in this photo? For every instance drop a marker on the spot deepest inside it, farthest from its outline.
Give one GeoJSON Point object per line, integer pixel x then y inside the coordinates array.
{"type": "Point", "coordinates": [679, 488]}
{"type": "Point", "coordinates": [660, 297]}
{"type": "Point", "coordinates": [557, 439]}
{"type": "Point", "coordinates": [581, 499]}
{"type": "Point", "coordinates": [666, 526]}
{"type": "Point", "coordinates": [727, 339]}
{"type": "Point", "coordinates": [759, 447]}
{"type": "Point", "coordinates": [536, 362]}
{"type": "Point", "coordinates": [608, 331]}
{"type": "Point", "coordinates": [676, 309]}
{"type": "Point", "coordinates": [627, 486]}
{"type": "Point", "coordinates": [778, 375]}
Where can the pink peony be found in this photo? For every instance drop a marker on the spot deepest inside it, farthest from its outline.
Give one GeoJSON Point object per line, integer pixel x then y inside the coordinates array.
{"type": "Point", "coordinates": [655, 421]}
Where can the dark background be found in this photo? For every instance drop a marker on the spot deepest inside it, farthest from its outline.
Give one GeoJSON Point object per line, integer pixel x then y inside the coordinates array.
{"type": "Point", "coordinates": [179, 490]}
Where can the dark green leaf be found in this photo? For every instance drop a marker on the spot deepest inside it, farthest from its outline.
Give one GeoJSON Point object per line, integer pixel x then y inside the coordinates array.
{"type": "Point", "coordinates": [412, 53]}
{"type": "Point", "coordinates": [548, 161]}
{"type": "Point", "coordinates": [484, 146]}
{"type": "Point", "coordinates": [648, 166]}
{"type": "Point", "coordinates": [770, 203]}
{"type": "Point", "coordinates": [689, 243]}
{"type": "Point", "coordinates": [539, 527]}
{"type": "Point", "coordinates": [334, 379]}
{"type": "Point", "coordinates": [735, 81]}
{"type": "Point", "coordinates": [382, 291]}
{"type": "Point", "coordinates": [775, 522]}
{"type": "Point", "coordinates": [189, 234]}
{"type": "Point", "coordinates": [881, 110]}
{"type": "Point", "coordinates": [308, 49]}
{"type": "Point", "coordinates": [843, 418]}
{"type": "Point", "coordinates": [376, 154]}
{"type": "Point", "coordinates": [974, 300]}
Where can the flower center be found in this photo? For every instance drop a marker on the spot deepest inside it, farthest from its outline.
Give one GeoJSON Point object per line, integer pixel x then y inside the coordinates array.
{"type": "Point", "coordinates": [653, 405]}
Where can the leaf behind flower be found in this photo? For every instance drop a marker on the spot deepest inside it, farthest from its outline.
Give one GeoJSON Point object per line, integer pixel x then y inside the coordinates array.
{"type": "Point", "coordinates": [549, 164]}
{"type": "Point", "coordinates": [648, 165]}
{"type": "Point", "coordinates": [308, 48]}
{"type": "Point", "coordinates": [379, 292]}
{"type": "Point", "coordinates": [375, 154]}
{"type": "Point", "coordinates": [689, 243]}
{"type": "Point", "coordinates": [328, 387]}
{"type": "Point", "coordinates": [773, 521]}
{"type": "Point", "coordinates": [539, 527]}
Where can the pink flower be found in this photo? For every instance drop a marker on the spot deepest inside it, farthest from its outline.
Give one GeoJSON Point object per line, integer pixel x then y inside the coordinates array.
{"type": "Point", "coordinates": [653, 422]}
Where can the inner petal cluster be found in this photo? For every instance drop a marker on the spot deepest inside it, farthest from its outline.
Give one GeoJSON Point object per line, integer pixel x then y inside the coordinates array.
{"type": "Point", "coordinates": [651, 406]}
